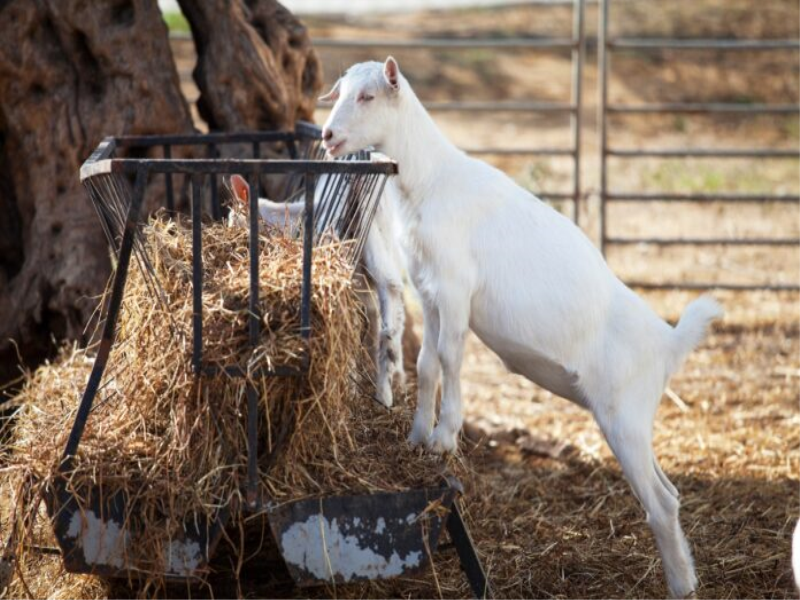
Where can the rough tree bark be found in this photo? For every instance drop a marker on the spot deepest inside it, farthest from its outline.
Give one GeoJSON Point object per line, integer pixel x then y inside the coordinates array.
{"type": "Point", "coordinates": [71, 72]}
{"type": "Point", "coordinates": [256, 68]}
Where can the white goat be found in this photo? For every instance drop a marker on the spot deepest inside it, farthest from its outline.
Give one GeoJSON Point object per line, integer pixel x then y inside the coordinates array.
{"type": "Point", "coordinates": [487, 255]}
{"type": "Point", "coordinates": [381, 264]}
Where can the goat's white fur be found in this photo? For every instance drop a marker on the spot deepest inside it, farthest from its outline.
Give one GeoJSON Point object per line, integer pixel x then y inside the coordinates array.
{"type": "Point", "coordinates": [381, 262]}
{"type": "Point", "coordinates": [486, 255]}
{"type": "Point", "coordinates": [796, 555]}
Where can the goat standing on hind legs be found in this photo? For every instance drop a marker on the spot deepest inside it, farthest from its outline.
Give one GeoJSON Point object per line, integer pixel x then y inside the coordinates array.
{"type": "Point", "coordinates": [487, 255]}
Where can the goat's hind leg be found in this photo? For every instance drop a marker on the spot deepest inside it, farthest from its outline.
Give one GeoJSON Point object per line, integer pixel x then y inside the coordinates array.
{"type": "Point", "coordinates": [630, 438]}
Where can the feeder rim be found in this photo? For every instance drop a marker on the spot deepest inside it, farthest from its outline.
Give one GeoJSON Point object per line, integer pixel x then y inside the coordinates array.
{"type": "Point", "coordinates": [101, 161]}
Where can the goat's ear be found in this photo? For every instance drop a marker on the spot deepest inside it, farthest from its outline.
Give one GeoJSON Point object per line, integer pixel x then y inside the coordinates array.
{"type": "Point", "coordinates": [241, 191]}
{"type": "Point", "coordinates": [333, 94]}
{"type": "Point", "coordinates": [391, 73]}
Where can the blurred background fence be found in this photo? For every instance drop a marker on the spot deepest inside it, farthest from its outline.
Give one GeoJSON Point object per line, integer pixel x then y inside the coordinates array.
{"type": "Point", "coordinates": [610, 45]}
{"type": "Point", "coordinates": [681, 161]}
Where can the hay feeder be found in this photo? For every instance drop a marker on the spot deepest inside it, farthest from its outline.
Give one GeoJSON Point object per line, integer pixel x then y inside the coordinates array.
{"type": "Point", "coordinates": [333, 539]}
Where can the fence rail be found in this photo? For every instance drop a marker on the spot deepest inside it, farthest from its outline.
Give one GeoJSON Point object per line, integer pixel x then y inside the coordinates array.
{"type": "Point", "coordinates": [697, 44]}
{"type": "Point", "coordinates": [454, 43]}
{"type": "Point", "coordinates": [608, 195]}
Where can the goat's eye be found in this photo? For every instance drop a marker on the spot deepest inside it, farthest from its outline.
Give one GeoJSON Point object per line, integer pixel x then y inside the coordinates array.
{"type": "Point", "coordinates": [363, 97]}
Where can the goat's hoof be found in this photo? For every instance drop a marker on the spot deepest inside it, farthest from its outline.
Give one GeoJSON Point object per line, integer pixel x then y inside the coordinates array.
{"type": "Point", "coordinates": [385, 395]}
{"type": "Point", "coordinates": [420, 432]}
{"type": "Point", "coordinates": [685, 591]}
{"type": "Point", "coordinates": [419, 435]}
{"type": "Point", "coordinates": [443, 440]}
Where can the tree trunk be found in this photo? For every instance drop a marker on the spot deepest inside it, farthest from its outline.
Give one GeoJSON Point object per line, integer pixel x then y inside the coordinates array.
{"type": "Point", "coordinates": [256, 68]}
{"type": "Point", "coordinates": [71, 72]}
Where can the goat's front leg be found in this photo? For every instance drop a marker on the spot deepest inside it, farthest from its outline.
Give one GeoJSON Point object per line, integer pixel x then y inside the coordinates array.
{"type": "Point", "coordinates": [428, 371]}
{"type": "Point", "coordinates": [453, 326]}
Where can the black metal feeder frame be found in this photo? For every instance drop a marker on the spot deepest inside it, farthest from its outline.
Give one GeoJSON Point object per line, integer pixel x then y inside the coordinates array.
{"type": "Point", "coordinates": [322, 540]}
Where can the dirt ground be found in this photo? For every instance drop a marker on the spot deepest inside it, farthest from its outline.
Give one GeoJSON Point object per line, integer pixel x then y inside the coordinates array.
{"type": "Point", "coordinates": [547, 505]}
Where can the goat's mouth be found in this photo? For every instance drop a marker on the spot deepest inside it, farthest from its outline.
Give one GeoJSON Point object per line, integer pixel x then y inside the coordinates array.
{"type": "Point", "coordinates": [333, 149]}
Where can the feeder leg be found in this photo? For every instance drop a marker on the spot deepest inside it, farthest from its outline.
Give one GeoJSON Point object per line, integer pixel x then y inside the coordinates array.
{"type": "Point", "coordinates": [470, 563]}
{"type": "Point", "coordinates": [252, 446]}
{"type": "Point", "coordinates": [109, 329]}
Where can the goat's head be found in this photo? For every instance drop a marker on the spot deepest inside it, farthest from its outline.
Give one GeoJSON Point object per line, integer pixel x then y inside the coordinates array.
{"type": "Point", "coordinates": [367, 97]}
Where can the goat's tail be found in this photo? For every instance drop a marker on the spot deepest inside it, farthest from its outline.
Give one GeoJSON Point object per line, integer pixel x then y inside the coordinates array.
{"type": "Point", "coordinates": [691, 329]}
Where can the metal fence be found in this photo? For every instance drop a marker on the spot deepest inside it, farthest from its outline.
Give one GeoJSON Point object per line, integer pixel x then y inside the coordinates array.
{"type": "Point", "coordinates": [606, 46]}
{"type": "Point", "coordinates": [574, 44]}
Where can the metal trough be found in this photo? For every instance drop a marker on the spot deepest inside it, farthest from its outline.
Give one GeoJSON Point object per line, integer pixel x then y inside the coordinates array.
{"type": "Point", "coordinates": [96, 535]}
{"type": "Point", "coordinates": [342, 539]}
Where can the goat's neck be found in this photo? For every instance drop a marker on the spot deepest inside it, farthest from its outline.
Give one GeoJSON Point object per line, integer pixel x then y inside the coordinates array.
{"type": "Point", "coordinates": [419, 148]}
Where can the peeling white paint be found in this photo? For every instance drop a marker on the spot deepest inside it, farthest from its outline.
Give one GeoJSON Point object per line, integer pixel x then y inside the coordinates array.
{"type": "Point", "coordinates": [411, 518]}
{"type": "Point", "coordinates": [183, 558]}
{"type": "Point", "coordinates": [103, 542]}
{"type": "Point", "coordinates": [320, 548]}
{"type": "Point", "coordinates": [381, 526]}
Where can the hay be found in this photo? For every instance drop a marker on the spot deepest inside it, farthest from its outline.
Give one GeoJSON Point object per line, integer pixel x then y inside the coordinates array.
{"type": "Point", "coordinates": [178, 444]}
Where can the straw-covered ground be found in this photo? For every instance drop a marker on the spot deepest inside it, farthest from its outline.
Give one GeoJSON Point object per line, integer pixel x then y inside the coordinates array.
{"type": "Point", "coordinates": [548, 507]}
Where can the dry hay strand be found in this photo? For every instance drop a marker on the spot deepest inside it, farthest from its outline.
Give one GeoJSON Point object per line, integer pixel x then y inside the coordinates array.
{"type": "Point", "coordinates": [177, 444]}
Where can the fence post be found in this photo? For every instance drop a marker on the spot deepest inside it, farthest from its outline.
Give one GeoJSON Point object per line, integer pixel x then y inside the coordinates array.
{"type": "Point", "coordinates": [602, 60]}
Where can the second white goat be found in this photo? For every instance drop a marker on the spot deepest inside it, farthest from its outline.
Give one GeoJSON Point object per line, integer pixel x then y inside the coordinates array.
{"type": "Point", "coordinates": [487, 255]}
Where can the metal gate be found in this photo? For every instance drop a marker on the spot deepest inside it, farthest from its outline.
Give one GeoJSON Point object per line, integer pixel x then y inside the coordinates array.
{"type": "Point", "coordinates": [575, 44]}
{"type": "Point", "coordinates": [606, 47]}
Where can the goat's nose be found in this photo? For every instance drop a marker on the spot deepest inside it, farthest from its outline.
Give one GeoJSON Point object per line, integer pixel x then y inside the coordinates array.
{"type": "Point", "coordinates": [327, 134]}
